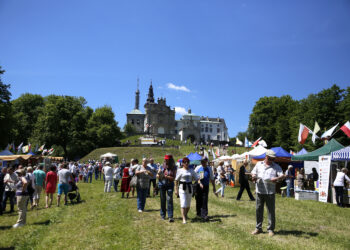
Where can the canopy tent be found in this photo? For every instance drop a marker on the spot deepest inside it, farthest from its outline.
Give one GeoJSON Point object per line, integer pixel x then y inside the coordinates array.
{"type": "Point", "coordinates": [14, 157]}
{"type": "Point", "coordinates": [341, 155]}
{"type": "Point", "coordinates": [194, 158]}
{"type": "Point", "coordinates": [6, 152]}
{"type": "Point", "coordinates": [108, 155]}
{"type": "Point", "coordinates": [280, 152]}
{"type": "Point", "coordinates": [30, 153]}
{"type": "Point", "coordinates": [303, 151]}
{"type": "Point", "coordinates": [330, 147]}
{"type": "Point", "coordinates": [258, 150]}
{"type": "Point", "coordinates": [225, 158]}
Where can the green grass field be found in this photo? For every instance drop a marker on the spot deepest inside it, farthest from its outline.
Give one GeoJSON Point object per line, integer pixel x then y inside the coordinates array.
{"type": "Point", "coordinates": [156, 152]}
{"type": "Point", "coordinates": [105, 221]}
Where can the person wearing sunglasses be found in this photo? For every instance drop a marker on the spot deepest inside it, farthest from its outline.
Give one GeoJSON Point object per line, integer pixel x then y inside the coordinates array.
{"type": "Point", "coordinates": [183, 187]}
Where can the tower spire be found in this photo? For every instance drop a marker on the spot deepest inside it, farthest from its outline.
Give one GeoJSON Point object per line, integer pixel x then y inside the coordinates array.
{"type": "Point", "coordinates": [137, 95]}
{"type": "Point", "coordinates": [150, 97]}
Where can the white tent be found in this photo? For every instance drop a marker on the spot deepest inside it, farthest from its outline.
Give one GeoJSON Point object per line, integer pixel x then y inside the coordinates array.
{"type": "Point", "coordinates": [258, 150]}
{"type": "Point", "coordinates": [225, 158]}
{"type": "Point", "coordinates": [108, 155]}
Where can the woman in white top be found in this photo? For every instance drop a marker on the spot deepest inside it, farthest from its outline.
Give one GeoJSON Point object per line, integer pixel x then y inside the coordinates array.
{"type": "Point", "coordinates": [222, 179]}
{"type": "Point", "coordinates": [339, 185]}
{"type": "Point", "coordinates": [183, 187]}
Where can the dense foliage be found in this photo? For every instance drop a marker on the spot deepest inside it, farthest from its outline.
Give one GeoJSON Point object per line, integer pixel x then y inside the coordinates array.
{"type": "Point", "coordinates": [277, 119]}
{"type": "Point", "coordinates": [5, 112]}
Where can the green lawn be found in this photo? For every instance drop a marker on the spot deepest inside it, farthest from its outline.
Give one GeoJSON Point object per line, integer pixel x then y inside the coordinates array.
{"type": "Point", "coordinates": [156, 152]}
{"type": "Point", "coordinates": [105, 221]}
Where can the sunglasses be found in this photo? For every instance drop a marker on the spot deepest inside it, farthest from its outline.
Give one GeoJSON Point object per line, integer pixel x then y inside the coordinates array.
{"type": "Point", "coordinates": [186, 162]}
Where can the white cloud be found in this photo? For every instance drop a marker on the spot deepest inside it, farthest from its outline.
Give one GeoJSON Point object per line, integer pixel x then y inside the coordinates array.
{"type": "Point", "coordinates": [181, 88]}
{"type": "Point", "coordinates": [180, 110]}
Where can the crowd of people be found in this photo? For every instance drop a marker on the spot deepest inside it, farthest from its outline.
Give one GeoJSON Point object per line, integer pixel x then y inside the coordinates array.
{"type": "Point", "coordinates": [185, 180]}
{"type": "Point", "coordinates": [24, 185]}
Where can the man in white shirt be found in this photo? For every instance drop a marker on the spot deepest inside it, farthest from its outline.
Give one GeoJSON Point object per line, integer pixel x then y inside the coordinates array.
{"type": "Point", "coordinates": [266, 173]}
{"type": "Point", "coordinates": [107, 170]}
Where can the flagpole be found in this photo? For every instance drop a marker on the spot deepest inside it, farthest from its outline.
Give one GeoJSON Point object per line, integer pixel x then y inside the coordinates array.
{"type": "Point", "coordinates": [334, 133]}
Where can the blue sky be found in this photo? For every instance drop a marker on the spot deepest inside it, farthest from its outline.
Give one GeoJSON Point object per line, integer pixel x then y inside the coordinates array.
{"type": "Point", "coordinates": [226, 54]}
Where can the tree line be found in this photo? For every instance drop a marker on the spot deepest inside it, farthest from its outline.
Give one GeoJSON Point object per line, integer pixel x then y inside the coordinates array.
{"type": "Point", "coordinates": [277, 119]}
{"type": "Point", "coordinates": [63, 122]}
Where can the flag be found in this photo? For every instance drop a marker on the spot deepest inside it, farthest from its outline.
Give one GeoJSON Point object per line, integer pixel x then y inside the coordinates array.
{"type": "Point", "coordinates": [256, 142]}
{"type": "Point", "coordinates": [329, 132]}
{"type": "Point", "coordinates": [41, 148]}
{"type": "Point", "coordinates": [10, 147]}
{"type": "Point", "coordinates": [246, 142]}
{"type": "Point", "coordinates": [263, 143]}
{"type": "Point", "coordinates": [51, 150]}
{"type": "Point", "coordinates": [303, 133]}
{"type": "Point", "coordinates": [13, 147]}
{"type": "Point", "coordinates": [346, 128]}
{"type": "Point", "coordinates": [206, 154]}
{"type": "Point", "coordinates": [212, 152]}
{"type": "Point", "coordinates": [36, 148]}
{"type": "Point", "coordinates": [316, 129]}
{"type": "Point", "coordinates": [217, 152]}
{"type": "Point", "coordinates": [238, 142]}
{"type": "Point", "coordinates": [291, 152]}
{"type": "Point", "coordinates": [25, 149]}
{"type": "Point", "coordinates": [19, 148]}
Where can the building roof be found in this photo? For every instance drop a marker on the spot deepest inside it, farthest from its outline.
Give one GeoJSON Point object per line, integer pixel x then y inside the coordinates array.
{"type": "Point", "coordinates": [135, 112]}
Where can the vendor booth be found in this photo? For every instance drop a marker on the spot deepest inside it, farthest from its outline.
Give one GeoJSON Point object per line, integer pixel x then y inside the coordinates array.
{"type": "Point", "coordinates": [340, 159]}
{"type": "Point", "coordinates": [316, 159]}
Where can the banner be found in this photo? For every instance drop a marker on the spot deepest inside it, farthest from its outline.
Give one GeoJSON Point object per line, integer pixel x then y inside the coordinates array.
{"type": "Point", "coordinates": [324, 163]}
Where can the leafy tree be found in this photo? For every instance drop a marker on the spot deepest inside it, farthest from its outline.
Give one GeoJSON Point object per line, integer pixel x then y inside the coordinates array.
{"type": "Point", "coordinates": [102, 128]}
{"type": "Point", "coordinates": [129, 129]}
{"type": "Point", "coordinates": [26, 110]}
{"type": "Point", "coordinates": [63, 122]}
{"type": "Point", "coordinates": [5, 112]}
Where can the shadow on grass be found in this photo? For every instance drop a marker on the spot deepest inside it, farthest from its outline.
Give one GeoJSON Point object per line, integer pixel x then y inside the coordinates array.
{"type": "Point", "coordinates": [151, 210]}
{"type": "Point", "coordinates": [214, 218]}
{"type": "Point", "coordinates": [46, 223]}
{"type": "Point", "coordinates": [5, 227]}
{"type": "Point", "coordinates": [7, 248]}
{"type": "Point", "coordinates": [297, 233]}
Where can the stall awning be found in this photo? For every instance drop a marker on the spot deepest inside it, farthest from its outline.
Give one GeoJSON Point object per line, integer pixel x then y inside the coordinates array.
{"type": "Point", "coordinates": [14, 157]}
{"type": "Point", "coordinates": [341, 155]}
{"type": "Point", "coordinates": [327, 149]}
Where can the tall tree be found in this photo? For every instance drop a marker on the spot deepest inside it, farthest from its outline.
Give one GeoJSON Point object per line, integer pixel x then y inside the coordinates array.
{"type": "Point", "coordinates": [5, 112]}
{"type": "Point", "coordinates": [26, 110]}
{"type": "Point", "coordinates": [63, 122]}
{"type": "Point", "coordinates": [103, 130]}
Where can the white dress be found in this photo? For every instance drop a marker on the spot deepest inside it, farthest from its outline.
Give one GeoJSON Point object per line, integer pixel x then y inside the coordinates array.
{"type": "Point", "coordinates": [185, 178]}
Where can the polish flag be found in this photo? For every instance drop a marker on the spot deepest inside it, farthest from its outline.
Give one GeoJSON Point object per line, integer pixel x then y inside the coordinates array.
{"type": "Point", "coordinates": [303, 133]}
{"type": "Point", "coordinates": [256, 142]}
{"type": "Point", "coordinates": [346, 128]}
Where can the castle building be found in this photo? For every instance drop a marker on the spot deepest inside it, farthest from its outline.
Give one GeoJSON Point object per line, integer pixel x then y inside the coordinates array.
{"type": "Point", "coordinates": [159, 120]}
{"type": "Point", "coordinates": [135, 117]}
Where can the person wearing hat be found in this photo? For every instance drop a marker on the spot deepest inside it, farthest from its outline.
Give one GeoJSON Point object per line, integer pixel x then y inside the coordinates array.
{"type": "Point", "coordinates": [107, 170]}
{"type": "Point", "coordinates": [22, 198]}
{"type": "Point", "coordinates": [205, 176]}
{"type": "Point", "coordinates": [166, 175]}
{"type": "Point", "coordinates": [266, 173]}
{"type": "Point", "coordinates": [10, 181]}
{"type": "Point", "coordinates": [289, 179]}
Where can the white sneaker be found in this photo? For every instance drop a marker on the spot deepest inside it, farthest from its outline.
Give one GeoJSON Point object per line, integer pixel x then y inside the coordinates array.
{"type": "Point", "coordinates": [140, 211]}
{"type": "Point", "coordinates": [17, 225]}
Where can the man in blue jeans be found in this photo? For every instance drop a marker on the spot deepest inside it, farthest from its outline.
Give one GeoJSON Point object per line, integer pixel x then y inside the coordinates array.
{"type": "Point", "coordinates": [166, 175]}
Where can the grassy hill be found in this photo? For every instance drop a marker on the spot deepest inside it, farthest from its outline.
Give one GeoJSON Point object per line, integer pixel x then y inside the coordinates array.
{"type": "Point", "coordinates": [105, 221]}
{"type": "Point", "coordinates": [156, 152]}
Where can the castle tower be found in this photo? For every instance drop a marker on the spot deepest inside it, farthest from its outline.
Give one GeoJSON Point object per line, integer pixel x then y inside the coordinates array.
{"type": "Point", "coordinates": [150, 97]}
{"type": "Point", "coordinates": [137, 96]}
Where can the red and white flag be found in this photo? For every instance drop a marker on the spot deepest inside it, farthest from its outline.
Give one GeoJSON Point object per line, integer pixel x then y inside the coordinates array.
{"type": "Point", "coordinates": [303, 133]}
{"type": "Point", "coordinates": [346, 128]}
{"type": "Point", "coordinates": [256, 142]}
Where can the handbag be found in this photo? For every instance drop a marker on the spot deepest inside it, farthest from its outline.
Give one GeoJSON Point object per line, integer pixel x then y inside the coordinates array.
{"type": "Point", "coordinates": [133, 181]}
